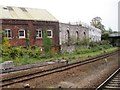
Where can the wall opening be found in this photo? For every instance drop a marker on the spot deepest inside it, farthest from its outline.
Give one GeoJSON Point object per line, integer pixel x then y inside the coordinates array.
{"type": "Point", "coordinates": [68, 35]}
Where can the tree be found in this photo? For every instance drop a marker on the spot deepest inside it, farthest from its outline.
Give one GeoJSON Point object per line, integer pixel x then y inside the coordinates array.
{"type": "Point", "coordinates": [105, 35]}
{"type": "Point", "coordinates": [47, 43]}
{"type": "Point", "coordinates": [96, 22]}
{"type": "Point", "coordinates": [110, 31]}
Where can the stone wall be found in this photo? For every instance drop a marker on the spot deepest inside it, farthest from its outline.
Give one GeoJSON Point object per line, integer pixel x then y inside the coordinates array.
{"type": "Point", "coordinates": [69, 34]}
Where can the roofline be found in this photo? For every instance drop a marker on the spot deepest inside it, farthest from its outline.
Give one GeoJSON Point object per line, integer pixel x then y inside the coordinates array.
{"type": "Point", "coordinates": [55, 19]}
{"type": "Point", "coordinates": [31, 20]}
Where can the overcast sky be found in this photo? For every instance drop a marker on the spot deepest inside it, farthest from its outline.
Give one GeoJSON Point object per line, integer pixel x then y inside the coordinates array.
{"type": "Point", "coordinates": [74, 10]}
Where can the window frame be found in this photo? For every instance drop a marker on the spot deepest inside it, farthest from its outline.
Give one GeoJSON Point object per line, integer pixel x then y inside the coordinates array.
{"type": "Point", "coordinates": [38, 33]}
{"type": "Point", "coordinates": [51, 33]}
{"type": "Point", "coordinates": [6, 34]}
{"type": "Point", "coordinates": [19, 33]}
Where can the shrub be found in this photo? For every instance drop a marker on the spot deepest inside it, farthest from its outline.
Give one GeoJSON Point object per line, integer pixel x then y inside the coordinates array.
{"type": "Point", "coordinates": [5, 42]}
{"type": "Point", "coordinates": [47, 42]}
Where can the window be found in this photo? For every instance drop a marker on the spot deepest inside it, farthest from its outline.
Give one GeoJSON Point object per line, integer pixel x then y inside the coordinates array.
{"type": "Point", "coordinates": [68, 35]}
{"type": "Point", "coordinates": [38, 33]}
{"type": "Point", "coordinates": [77, 35]}
{"type": "Point", "coordinates": [21, 33]}
{"type": "Point", "coordinates": [49, 33]}
{"type": "Point", "coordinates": [84, 33]}
{"type": "Point", "coordinates": [8, 33]}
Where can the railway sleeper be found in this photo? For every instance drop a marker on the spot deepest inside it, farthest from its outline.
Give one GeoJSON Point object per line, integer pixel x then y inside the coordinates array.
{"type": "Point", "coordinates": [111, 87]}
{"type": "Point", "coordinates": [113, 84]}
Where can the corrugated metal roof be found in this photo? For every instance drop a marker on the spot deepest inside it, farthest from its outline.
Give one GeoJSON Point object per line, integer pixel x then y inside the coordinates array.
{"type": "Point", "coordinates": [114, 34]}
{"type": "Point", "coordinates": [10, 12]}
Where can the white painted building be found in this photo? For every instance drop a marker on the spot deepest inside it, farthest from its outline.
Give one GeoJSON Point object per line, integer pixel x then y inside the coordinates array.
{"type": "Point", "coordinates": [73, 31]}
{"type": "Point", "coordinates": [94, 34]}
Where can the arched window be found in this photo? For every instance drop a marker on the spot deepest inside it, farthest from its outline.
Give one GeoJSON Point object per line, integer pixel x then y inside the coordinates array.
{"type": "Point", "coordinates": [68, 35]}
{"type": "Point", "coordinates": [77, 35]}
{"type": "Point", "coordinates": [84, 34]}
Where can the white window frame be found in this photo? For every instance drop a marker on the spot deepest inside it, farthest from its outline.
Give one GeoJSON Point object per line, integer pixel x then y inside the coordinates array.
{"type": "Point", "coordinates": [38, 33]}
{"type": "Point", "coordinates": [19, 33]}
{"type": "Point", "coordinates": [51, 34]}
{"type": "Point", "coordinates": [7, 33]}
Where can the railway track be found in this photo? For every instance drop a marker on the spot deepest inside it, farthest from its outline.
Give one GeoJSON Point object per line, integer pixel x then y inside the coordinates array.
{"type": "Point", "coordinates": [26, 67]}
{"type": "Point", "coordinates": [32, 75]}
{"type": "Point", "coordinates": [113, 82]}
{"type": "Point", "coordinates": [31, 66]}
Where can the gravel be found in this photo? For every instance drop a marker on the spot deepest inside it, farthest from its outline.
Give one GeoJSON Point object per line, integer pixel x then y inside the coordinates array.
{"type": "Point", "coordinates": [85, 76]}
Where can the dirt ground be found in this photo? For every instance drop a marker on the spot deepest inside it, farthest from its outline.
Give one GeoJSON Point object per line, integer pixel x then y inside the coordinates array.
{"type": "Point", "coordinates": [91, 75]}
{"type": "Point", "coordinates": [85, 76]}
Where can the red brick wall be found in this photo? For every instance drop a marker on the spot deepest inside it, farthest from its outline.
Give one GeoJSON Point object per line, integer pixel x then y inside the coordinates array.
{"type": "Point", "coordinates": [31, 26]}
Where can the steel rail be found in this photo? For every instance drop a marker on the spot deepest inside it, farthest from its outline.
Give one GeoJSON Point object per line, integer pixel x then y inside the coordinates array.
{"type": "Point", "coordinates": [103, 84]}
{"type": "Point", "coordinates": [32, 75]}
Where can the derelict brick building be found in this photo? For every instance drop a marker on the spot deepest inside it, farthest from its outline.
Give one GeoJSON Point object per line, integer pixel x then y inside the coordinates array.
{"type": "Point", "coordinates": [20, 23]}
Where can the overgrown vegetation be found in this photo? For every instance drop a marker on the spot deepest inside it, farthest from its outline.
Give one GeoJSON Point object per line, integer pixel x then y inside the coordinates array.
{"type": "Point", "coordinates": [47, 43]}
{"type": "Point", "coordinates": [22, 55]}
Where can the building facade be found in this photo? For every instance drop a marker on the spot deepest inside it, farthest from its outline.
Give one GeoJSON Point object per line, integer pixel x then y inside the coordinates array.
{"type": "Point", "coordinates": [22, 24]}
{"type": "Point", "coordinates": [71, 32]}
{"type": "Point", "coordinates": [94, 34]}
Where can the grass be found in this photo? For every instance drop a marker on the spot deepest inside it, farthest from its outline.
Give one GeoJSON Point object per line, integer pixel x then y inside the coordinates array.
{"type": "Point", "coordinates": [73, 57]}
{"type": "Point", "coordinates": [67, 56]}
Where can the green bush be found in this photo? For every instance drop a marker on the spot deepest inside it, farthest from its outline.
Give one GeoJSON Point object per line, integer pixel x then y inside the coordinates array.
{"type": "Point", "coordinates": [47, 42]}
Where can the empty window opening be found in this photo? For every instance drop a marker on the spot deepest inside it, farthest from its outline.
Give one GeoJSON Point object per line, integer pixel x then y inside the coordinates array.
{"type": "Point", "coordinates": [77, 35]}
{"type": "Point", "coordinates": [84, 34]}
{"type": "Point", "coordinates": [68, 35]}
